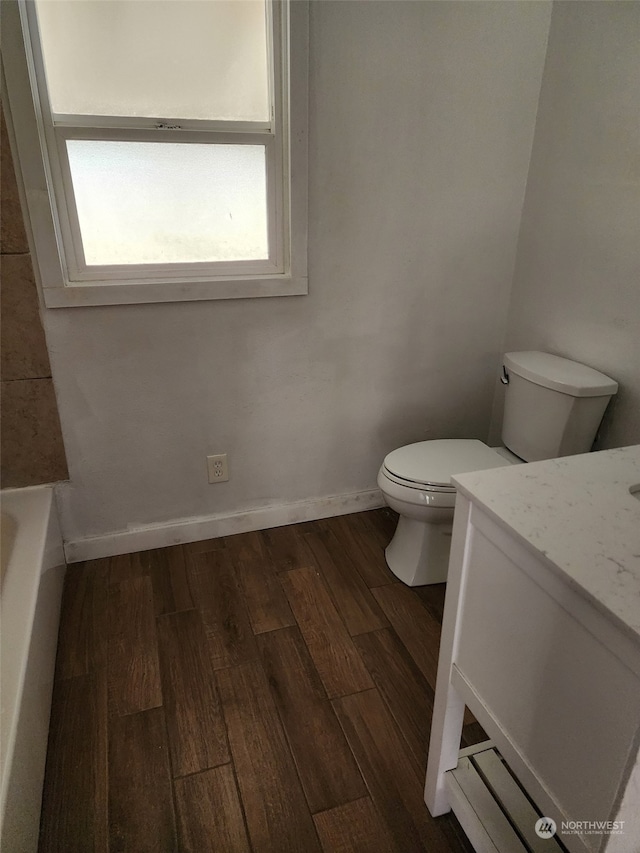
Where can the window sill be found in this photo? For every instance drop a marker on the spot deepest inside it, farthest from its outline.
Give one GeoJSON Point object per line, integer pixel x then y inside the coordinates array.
{"type": "Point", "coordinates": [99, 293]}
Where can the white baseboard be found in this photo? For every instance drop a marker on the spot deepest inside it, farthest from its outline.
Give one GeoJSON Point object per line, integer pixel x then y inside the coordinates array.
{"type": "Point", "coordinates": [211, 527]}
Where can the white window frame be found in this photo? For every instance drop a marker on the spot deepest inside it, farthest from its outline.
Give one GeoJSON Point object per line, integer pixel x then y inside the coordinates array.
{"type": "Point", "coordinates": [41, 158]}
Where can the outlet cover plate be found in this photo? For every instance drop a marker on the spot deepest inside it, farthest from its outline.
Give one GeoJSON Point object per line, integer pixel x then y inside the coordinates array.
{"type": "Point", "coordinates": [218, 468]}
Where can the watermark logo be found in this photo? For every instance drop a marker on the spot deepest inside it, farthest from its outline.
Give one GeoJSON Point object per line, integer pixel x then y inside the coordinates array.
{"type": "Point", "coordinates": [545, 827]}
{"type": "Point", "coordinates": [592, 827]}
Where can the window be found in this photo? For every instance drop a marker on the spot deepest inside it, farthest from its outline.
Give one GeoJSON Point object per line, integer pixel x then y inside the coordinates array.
{"type": "Point", "coordinates": [168, 133]}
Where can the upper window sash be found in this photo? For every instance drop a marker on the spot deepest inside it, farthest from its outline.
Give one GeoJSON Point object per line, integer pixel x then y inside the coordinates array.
{"type": "Point", "coordinates": [243, 86]}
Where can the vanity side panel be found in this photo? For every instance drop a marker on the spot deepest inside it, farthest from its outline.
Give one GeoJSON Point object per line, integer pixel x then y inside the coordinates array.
{"type": "Point", "coordinates": [567, 704]}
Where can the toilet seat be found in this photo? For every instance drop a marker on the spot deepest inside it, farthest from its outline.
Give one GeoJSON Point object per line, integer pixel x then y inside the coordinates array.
{"type": "Point", "coordinates": [413, 494]}
{"type": "Point", "coordinates": [429, 465]}
{"type": "Point", "coordinates": [423, 487]}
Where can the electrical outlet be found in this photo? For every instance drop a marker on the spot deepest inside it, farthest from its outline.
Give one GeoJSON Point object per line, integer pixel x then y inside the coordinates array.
{"type": "Point", "coordinates": [217, 468]}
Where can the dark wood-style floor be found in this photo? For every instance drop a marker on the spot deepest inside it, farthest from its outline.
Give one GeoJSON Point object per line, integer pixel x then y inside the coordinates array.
{"type": "Point", "coordinates": [268, 691]}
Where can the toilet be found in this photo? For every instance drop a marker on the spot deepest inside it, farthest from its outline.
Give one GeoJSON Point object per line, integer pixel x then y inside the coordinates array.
{"type": "Point", "coordinates": [553, 407]}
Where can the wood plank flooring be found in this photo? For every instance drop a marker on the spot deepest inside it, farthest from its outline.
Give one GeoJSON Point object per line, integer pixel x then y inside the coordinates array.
{"type": "Point", "coordinates": [270, 691]}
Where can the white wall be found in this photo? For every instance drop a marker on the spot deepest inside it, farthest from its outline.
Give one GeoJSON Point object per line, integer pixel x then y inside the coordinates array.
{"type": "Point", "coordinates": [422, 118]}
{"type": "Point", "coordinates": [576, 291]}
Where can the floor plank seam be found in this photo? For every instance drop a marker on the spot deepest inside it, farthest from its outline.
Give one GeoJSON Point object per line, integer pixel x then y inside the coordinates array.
{"type": "Point", "coordinates": [173, 612]}
{"type": "Point", "coordinates": [245, 822]}
{"type": "Point", "coordinates": [174, 799]}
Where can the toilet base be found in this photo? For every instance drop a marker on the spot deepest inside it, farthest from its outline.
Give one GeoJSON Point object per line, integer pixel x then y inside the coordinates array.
{"type": "Point", "coordinates": [418, 554]}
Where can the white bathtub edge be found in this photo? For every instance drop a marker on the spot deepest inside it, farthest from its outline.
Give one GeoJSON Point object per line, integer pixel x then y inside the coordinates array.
{"type": "Point", "coordinates": [30, 612]}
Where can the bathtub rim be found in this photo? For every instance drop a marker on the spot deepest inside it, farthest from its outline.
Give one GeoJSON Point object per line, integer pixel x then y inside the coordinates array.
{"type": "Point", "coordinates": [37, 548]}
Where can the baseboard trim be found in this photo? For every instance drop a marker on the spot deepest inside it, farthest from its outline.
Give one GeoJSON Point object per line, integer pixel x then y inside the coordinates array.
{"type": "Point", "coordinates": [184, 530]}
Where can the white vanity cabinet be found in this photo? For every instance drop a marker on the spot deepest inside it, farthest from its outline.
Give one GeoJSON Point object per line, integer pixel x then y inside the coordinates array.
{"type": "Point", "coordinates": [541, 640]}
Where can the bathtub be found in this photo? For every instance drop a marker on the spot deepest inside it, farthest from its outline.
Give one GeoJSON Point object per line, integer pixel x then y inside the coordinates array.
{"type": "Point", "coordinates": [31, 590]}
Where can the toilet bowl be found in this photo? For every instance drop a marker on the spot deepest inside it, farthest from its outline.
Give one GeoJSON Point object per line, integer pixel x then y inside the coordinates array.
{"type": "Point", "coordinates": [552, 407]}
{"type": "Point", "coordinates": [416, 482]}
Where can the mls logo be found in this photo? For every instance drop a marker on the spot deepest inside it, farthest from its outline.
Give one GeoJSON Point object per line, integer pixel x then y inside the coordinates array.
{"type": "Point", "coordinates": [545, 827]}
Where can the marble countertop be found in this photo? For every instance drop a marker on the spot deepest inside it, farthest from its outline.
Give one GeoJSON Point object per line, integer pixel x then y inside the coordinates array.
{"type": "Point", "coordinates": [579, 514]}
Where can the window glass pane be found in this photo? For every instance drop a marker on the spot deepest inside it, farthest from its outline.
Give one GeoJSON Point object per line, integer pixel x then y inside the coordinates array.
{"type": "Point", "coordinates": [200, 59]}
{"type": "Point", "coordinates": [163, 202]}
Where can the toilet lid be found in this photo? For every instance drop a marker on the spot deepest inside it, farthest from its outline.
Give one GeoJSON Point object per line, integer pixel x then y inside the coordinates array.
{"type": "Point", "coordinates": [433, 463]}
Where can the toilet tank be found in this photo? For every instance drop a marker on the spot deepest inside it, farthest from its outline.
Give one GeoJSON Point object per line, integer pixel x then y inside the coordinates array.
{"type": "Point", "coordinates": [553, 406]}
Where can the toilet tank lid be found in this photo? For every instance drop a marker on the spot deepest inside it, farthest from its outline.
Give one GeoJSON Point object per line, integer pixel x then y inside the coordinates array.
{"type": "Point", "coordinates": [561, 374]}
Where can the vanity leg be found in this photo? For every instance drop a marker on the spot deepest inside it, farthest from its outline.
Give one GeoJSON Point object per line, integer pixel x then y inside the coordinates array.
{"type": "Point", "coordinates": [448, 709]}
{"type": "Point", "coordinates": [444, 746]}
